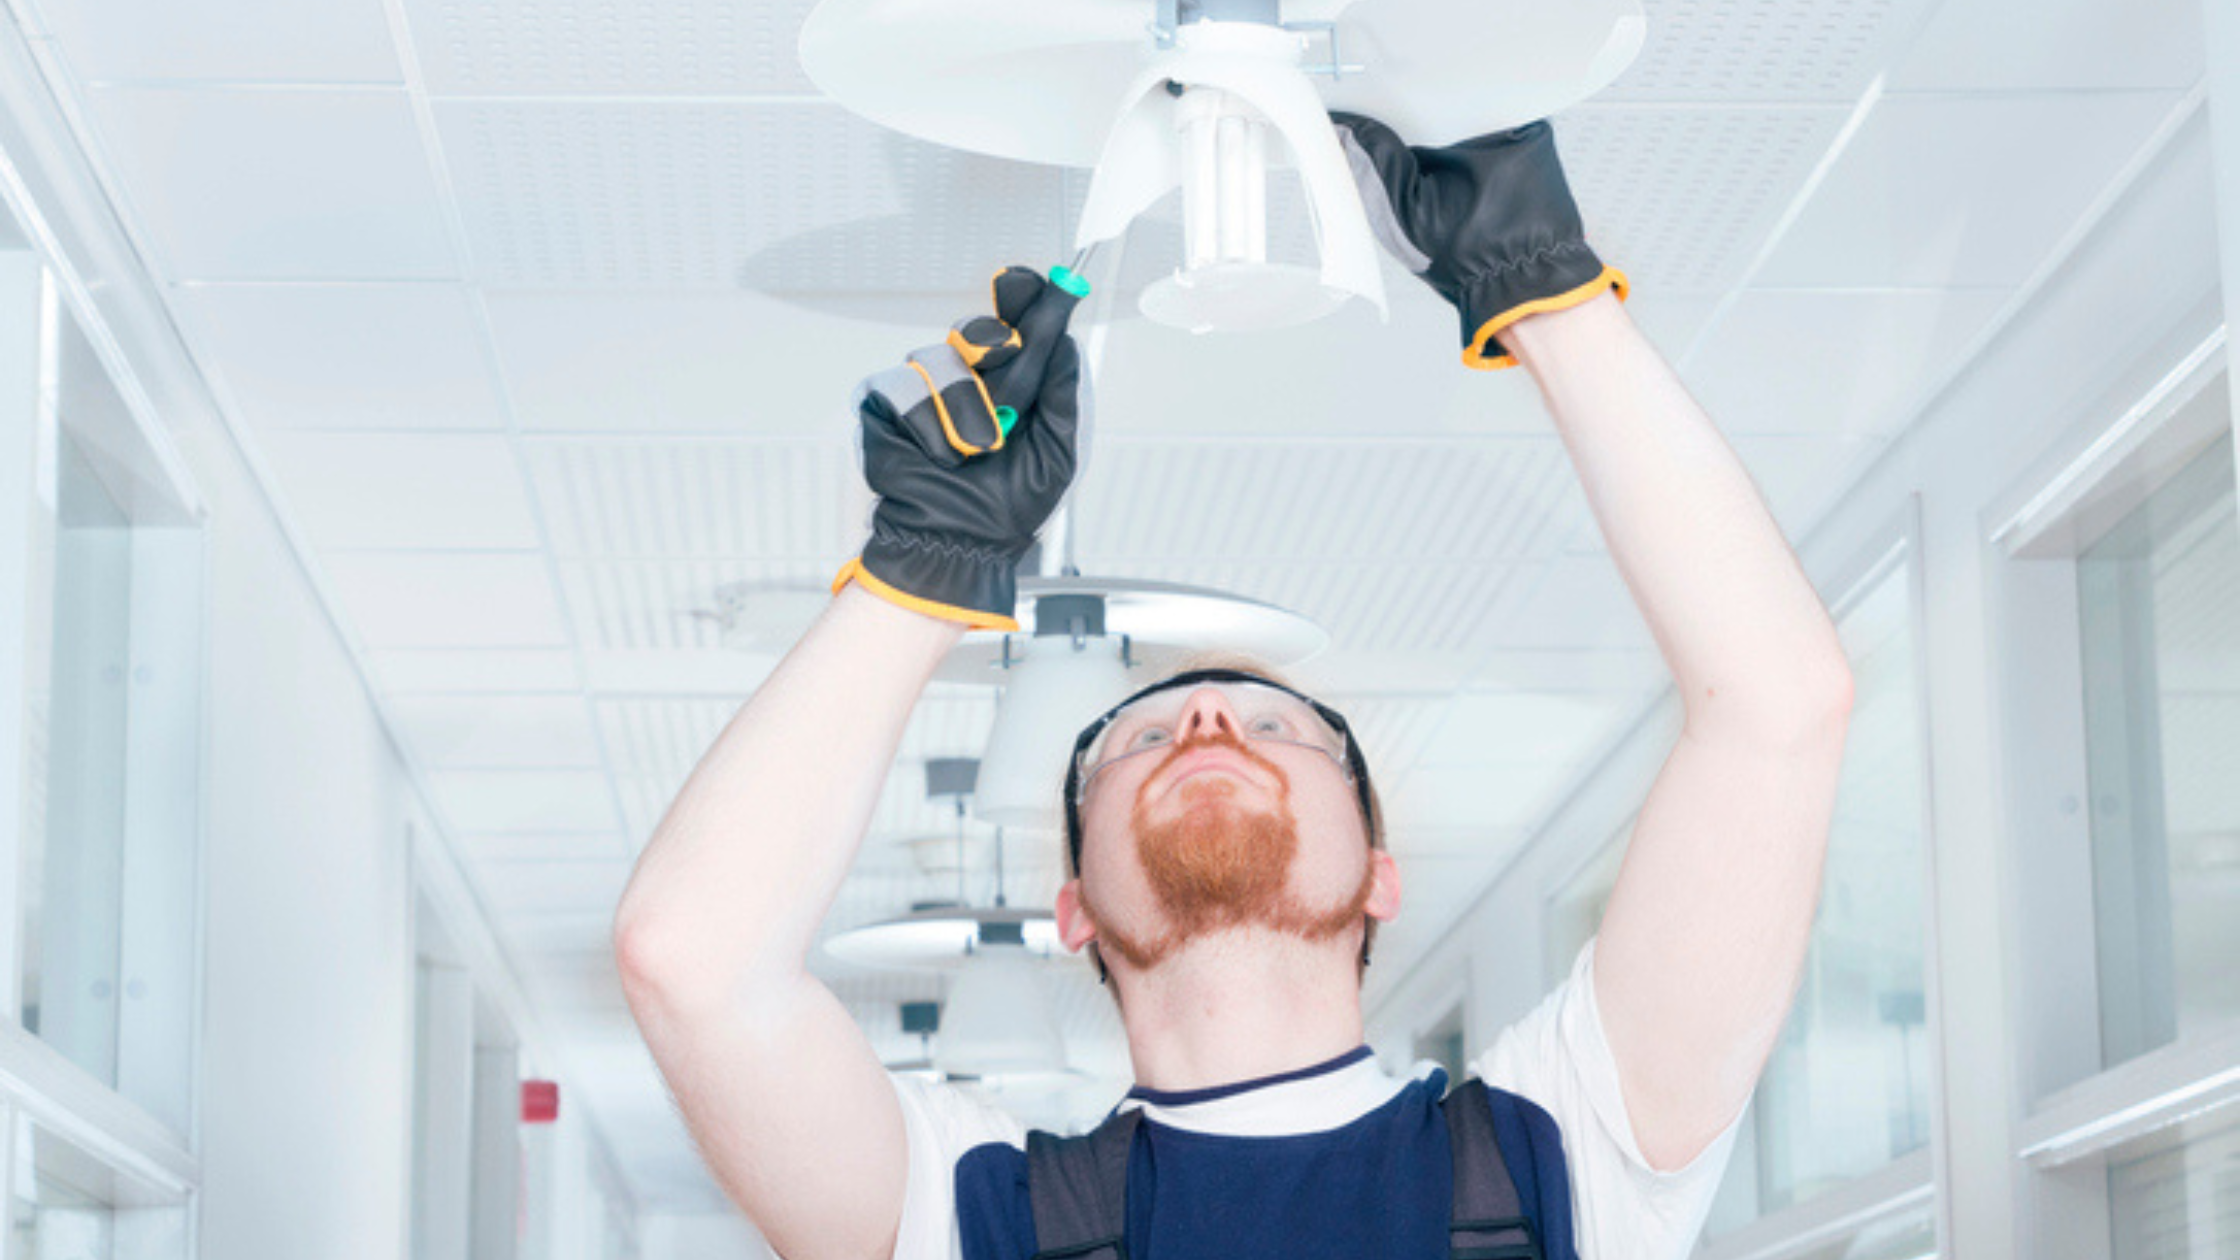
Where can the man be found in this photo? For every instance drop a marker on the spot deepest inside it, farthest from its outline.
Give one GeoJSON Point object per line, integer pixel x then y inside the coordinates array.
{"type": "Point", "coordinates": [1229, 870]}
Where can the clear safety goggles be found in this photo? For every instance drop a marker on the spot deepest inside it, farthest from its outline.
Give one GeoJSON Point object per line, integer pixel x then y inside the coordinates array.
{"type": "Point", "coordinates": [1151, 722]}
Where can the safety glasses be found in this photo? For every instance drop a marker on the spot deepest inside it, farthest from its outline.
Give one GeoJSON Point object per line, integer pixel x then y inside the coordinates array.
{"type": "Point", "coordinates": [1266, 713]}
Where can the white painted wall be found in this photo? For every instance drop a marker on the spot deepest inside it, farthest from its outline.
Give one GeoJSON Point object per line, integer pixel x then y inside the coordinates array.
{"type": "Point", "coordinates": [307, 1054]}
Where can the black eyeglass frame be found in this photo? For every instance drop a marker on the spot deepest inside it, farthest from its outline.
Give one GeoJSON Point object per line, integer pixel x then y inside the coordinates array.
{"type": "Point", "coordinates": [1356, 765]}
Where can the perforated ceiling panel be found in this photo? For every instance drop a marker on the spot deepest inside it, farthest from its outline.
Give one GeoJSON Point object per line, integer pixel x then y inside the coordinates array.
{"type": "Point", "coordinates": [763, 500]}
{"type": "Point", "coordinates": [637, 193]}
{"type": "Point", "coordinates": [608, 46]}
{"type": "Point", "coordinates": [1681, 199]}
{"type": "Point", "coordinates": [1367, 605]}
{"type": "Point", "coordinates": [1411, 502]}
{"type": "Point", "coordinates": [1767, 49]}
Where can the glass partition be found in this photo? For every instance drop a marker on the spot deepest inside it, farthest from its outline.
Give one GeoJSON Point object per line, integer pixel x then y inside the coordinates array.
{"type": "Point", "coordinates": [110, 737]}
{"type": "Point", "coordinates": [2159, 605]}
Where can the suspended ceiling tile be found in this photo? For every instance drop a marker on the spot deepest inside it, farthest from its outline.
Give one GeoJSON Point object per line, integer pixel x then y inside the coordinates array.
{"type": "Point", "coordinates": [1555, 729]}
{"type": "Point", "coordinates": [432, 600]}
{"type": "Point", "coordinates": [2047, 45]}
{"type": "Point", "coordinates": [1639, 672]}
{"type": "Point", "coordinates": [630, 605]}
{"type": "Point", "coordinates": [558, 846]}
{"type": "Point", "coordinates": [576, 359]}
{"type": "Point", "coordinates": [1421, 501]}
{"type": "Point", "coordinates": [769, 197]}
{"type": "Point", "coordinates": [704, 361]}
{"type": "Point", "coordinates": [1340, 669]}
{"type": "Point", "coordinates": [1962, 191]}
{"type": "Point", "coordinates": [765, 499]}
{"type": "Point", "coordinates": [608, 47]}
{"type": "Point", "coordinates": [1574, 604]}
{"type": "Point", "coordinates": [525, 800]}
{"type": "Point", "coordinates": [405, 491]}
{"type": "Point", "coordinates": [547, 887]}
{"type": "Point", "coordinates": [1767, 50]}
{"type": "Point", "coordinates": [340, 41]}
{"type": "Point", "coordinates": [1681, 199]}
{"type": "Point", "coordinates": [278, 184]}
{"type": "Point", "coordinates": [1394, 732]}
{"type": "Point", "coordinates": [1834, 365]}
{"type": "Point", "coordinates": [347, 356]}
{"type": "Point", "coordinates": [497, 732]}
{"type": "Point", "coordinates": [421, 671]}
{"type": "Point", "coordinates": [1500, 798]}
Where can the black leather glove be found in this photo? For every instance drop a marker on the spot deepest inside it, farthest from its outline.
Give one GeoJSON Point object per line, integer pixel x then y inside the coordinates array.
{"type": "Point", "coordinates": [970, 445]}
{"type": "Point", "coordinates": [1488, 222]}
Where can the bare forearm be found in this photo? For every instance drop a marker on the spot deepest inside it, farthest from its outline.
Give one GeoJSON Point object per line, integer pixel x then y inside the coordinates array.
{"type": "Point", "coordinates": [1739, 624]}
{"type": "Point", "coordinates": [751, 853]}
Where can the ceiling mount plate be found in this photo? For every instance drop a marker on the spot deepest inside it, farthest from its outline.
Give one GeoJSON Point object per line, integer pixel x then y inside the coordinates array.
{"type": "Point", "coordinates": [1163, 622]}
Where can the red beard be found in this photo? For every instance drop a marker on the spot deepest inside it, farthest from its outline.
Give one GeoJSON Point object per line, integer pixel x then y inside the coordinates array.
{"type": "Point", "coordinates": [1214, 864]}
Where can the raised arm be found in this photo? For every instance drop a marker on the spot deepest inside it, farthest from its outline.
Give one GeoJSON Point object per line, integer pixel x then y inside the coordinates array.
{"type": "Point", "coordinates": [1700, 949]}
{"type": "Point", "coordinates": [791, 1109]}
{"type": "Point", "coordinates": [1705, 935]}
{"type": "Point", "coordinates": [788, 1103]}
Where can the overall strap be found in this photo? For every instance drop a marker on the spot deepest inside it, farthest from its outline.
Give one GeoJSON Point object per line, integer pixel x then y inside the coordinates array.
{"type": "Point", "coordinates": [1488, 1221]}
{"type": "Point", "coordinates": [1079, 1187]}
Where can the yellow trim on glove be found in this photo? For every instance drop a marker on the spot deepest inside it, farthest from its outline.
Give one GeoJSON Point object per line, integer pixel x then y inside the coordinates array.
{"type": "Point", "coordinates": [1474, 355]}
{"type": "Point", "coordinates": [972, 352]}
{"type": "Point", "coordinates": [972, 618]}
{"type": "Point", "coordinates": [948, 427]}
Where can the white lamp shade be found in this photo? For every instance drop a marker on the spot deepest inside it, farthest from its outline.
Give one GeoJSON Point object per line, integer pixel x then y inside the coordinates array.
{"type": "Point", "coordinates": [1053, 691]}
{"type": "Point", "coordinates": [998, 1018]}
{"type": "Point", "coordinates": [1246, 87]}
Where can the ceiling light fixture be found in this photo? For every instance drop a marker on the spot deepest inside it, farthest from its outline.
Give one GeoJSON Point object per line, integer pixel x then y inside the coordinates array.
{"type": "Point", "coordinates": [1209, 96]}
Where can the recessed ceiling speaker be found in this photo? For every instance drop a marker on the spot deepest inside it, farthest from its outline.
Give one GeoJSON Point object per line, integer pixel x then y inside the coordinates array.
{"type": "Point", "coordinates": [1208, 96]}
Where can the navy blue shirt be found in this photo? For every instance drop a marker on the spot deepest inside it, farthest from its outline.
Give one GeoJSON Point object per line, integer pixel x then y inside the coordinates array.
{"type": "Point", "coordinates": [1377, 1185]}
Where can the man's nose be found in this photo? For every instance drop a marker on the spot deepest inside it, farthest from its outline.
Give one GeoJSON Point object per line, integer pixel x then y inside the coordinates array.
{"type": "Point", "coordinates": [1206, 715]}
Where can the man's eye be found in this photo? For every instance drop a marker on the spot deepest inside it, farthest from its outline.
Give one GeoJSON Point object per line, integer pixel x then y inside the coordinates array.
{"type": "Point", "coordinates": [1269, 726]}
{"type": "Point", "coordinates": [1149, 737]}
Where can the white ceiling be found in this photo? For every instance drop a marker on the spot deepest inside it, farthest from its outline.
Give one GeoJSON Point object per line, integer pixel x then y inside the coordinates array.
{"type": "Point", "coordinates": [544, 315]}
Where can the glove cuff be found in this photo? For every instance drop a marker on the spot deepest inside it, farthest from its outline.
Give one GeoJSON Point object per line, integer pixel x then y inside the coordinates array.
{"type": "Point", "coordinates": [1553, 279]}
{"type": "Point", "coordinates": [953, 582]}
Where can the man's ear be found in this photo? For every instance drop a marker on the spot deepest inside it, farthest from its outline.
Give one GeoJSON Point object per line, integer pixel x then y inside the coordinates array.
{"type": "Point", "coordinates": [1384, 893]}
{"type": "Point", "coordinates": [1075, 927]}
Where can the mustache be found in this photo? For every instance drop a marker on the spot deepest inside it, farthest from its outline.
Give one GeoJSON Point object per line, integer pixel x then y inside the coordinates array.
{"type": "Point", "coordinates": [1218, 739]}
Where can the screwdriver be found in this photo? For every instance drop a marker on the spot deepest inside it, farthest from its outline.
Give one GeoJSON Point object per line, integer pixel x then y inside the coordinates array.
{"type": "Point", "coordinates": [1071, 286]}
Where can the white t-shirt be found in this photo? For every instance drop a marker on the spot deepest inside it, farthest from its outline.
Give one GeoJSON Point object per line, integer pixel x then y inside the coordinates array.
{"type": "Point", "coordinates": [1557, 1057]}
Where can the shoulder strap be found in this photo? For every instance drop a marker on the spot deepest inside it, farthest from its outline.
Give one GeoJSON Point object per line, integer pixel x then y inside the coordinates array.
{"type": "Point", "coordinates": [1489, 1221]}
{"type": "Point", "coordinates": [1079, 1188]}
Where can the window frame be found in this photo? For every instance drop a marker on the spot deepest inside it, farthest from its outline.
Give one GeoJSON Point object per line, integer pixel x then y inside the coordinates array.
{"type": "Point", "coordinates": [71, 326]}
{"type": "Point", "coordinates": [2077, 1116]}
